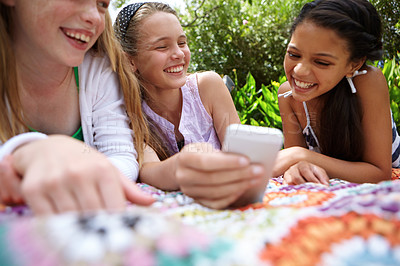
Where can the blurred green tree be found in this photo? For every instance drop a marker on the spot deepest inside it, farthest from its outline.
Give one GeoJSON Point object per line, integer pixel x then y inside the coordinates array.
{"type": "Point", "coordinates": [251, 35]}
{"type": "Point", "coordinates": [118, 3]}
{"type": "Point", "coordinates": [239, 35]}
{"type": "Point", "coordinates": [389, 10]}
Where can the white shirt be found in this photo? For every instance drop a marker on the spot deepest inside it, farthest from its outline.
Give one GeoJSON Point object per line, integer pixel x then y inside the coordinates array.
{"type": "Point", "coordinates": [105, 124]}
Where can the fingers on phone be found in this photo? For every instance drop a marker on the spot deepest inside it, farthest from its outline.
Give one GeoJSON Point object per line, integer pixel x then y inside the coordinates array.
{"type": "Point", "coordinates": [215, 161]}
{"type": "Point", "coordinates": [189, 177]}
{"type": "Point", "coordinates": [219, 203]}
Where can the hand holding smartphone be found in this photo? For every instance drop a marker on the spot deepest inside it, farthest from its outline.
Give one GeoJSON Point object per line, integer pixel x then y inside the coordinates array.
{"type": "Point", "coordinates": [260, 145]}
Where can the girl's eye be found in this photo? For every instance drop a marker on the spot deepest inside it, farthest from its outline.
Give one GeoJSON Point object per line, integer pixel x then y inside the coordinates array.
{"type": "Point", "coordinates": [182, 43]}
{"type": "Point", "coordinates": [103, 4]}
{"type": "Point", "coordinates": [293, 55]}
{"type": "Point", "coordinates": [322, 63]}
{"type": "Point", "coordinates": [161, 47]}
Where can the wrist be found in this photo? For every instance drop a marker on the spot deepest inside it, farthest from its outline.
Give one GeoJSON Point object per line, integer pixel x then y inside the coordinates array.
{"type": "Point", "coordinates": [17, 141]}
{"type": "Point", "coordinates": [298, 154]}
{"type": "Point", "coordinates": [175, 163]}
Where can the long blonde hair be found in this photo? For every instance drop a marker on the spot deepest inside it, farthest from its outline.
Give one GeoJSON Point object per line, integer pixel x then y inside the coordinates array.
{"type": "Point", "coordinates": [109, 44]}
{"type": "Point", "coordinates": [11, 120]}
{"type": "Point", "coordinates": [11, 116]}
{"type": "Point", "coordinates": [129, 44]}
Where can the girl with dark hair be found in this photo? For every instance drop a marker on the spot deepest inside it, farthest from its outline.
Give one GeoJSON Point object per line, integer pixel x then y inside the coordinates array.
{"type": "Point", "coordinates": [335, 108]}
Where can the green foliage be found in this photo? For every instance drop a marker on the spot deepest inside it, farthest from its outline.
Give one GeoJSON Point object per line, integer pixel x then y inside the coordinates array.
{"type": "Point", "coordinates": [118, 3]}
{"type": "Point", "coordinates": [252, 35]}
{"type": "Point", "coordinates": [391, 70]}
{"type": "Point", "coordinates": [258, 107]}
{"type": "Point", "coordinates": [389, 10]}
{"type": "Point", "coordinates": [242, 35]}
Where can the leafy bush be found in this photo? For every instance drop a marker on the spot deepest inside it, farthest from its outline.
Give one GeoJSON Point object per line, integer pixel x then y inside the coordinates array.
{"type": "Point", "coordinates": [252, 35]}
{"type": "Point", "coordinates": [391, 70]}
{"type": "Point", "coordinates": [258, 107]}
{"type": "Point", "coordinates": [242, 35]}
{"type": "Point", "coordinates": [389, 10]}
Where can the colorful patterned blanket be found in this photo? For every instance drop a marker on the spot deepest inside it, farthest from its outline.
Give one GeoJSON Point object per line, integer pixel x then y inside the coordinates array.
{"type": "Point", "coordinates": [309, 224]}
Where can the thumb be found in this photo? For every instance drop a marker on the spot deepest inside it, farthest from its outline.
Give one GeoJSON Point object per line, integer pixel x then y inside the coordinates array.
{"type": "Point", "coordinates": [134, 194]}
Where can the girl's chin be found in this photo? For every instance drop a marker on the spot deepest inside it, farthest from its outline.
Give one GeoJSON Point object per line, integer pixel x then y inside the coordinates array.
{"type": "Point", "coordinates": [181, 84]}
{"type": "Point", "coordinates": [181, 81]}
{"type": "Point", "coordinates": [301, 95]}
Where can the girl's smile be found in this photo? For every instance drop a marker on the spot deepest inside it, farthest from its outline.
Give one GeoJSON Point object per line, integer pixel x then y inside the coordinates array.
{"type": "Point", "coordinates": [163, 54]}
{"type": "Point", "coordinates": [69, 27]}
{"type": "Point", "coordinates": [175, 69]}
{"type": "Point", "coordinates": [80, 39]}
{"type": "Point", "coordinates": [302, 86]}
{"type": "Point", "coordinates": [316, 60]}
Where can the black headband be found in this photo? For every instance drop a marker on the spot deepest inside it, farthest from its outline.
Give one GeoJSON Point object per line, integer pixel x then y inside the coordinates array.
{"type": "Point", "coordinates": [124, 17]}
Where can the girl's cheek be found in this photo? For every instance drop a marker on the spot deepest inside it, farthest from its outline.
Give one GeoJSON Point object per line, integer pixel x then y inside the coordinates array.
{"type": "Point", "coordinates": [285, 65]}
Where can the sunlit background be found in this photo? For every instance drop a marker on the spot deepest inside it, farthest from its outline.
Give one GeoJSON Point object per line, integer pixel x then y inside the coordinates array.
{"type": "Point", "coordinates": [174, 3]}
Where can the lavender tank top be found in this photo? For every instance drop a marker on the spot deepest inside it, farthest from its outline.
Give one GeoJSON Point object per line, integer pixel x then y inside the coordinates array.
{"type": "Point", "coordinates": [196, 125]}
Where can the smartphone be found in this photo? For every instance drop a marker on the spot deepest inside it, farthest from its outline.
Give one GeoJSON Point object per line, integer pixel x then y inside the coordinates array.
{"type": "Point", "coordinates": [260, 145]}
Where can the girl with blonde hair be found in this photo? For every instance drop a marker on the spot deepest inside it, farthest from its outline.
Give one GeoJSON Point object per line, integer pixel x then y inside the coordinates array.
{"type": "Point", "coordinates": [188, 113]}
{"type": "Point", "coordinates": [58, 77]}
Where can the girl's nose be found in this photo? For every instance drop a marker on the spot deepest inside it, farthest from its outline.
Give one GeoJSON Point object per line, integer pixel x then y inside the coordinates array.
{"type": "Point", "coordinates": [301, 69]}
{"type": "Point", "coordinates": [91, 14]}
{"type": "Point", "coordinates": [178, 53]}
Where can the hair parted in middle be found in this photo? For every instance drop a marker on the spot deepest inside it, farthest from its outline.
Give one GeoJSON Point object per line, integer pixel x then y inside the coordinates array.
{"type": "Point", "coordinates": [127, 30]}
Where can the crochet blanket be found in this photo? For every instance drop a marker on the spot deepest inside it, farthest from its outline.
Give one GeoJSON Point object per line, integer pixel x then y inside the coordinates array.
{"type": "Point", "coordinates": [309, 224]}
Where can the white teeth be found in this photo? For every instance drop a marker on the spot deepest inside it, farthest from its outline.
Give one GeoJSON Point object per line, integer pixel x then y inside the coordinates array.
{"type": "Point", "coordinates": [174, 69]}
{"type": "Point", "coordinates": [304, 85]}
{"type": "Point", "coordinates": [78, 36]}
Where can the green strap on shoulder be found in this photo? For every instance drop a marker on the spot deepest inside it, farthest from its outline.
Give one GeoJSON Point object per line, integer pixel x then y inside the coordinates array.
{"type": "Point", "coordinates": [78, 134]}
{"type": "Point", "coordinates": [76, 77]}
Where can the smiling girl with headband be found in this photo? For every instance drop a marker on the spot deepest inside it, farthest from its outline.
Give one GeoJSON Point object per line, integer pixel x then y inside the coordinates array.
{"type": "Point", "coordinates": [335, 108]}
{"type": "Point", "coordinates": [189, 111]}
{"type": "Point", "coordinates": [58, 63]}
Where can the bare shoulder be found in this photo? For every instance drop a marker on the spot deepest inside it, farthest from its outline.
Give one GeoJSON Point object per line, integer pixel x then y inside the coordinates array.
{"type": "Point", "coordinates": [211, 85]}
{"type": "Point", "coordinates": [208, 80]}
{"type": "Point", "coordinates": [284, 87]}
{"type": "Point", "coordinates": [372, 90]}
{"type": "Point", "coordinates": [372, 81]}
{"type": "Point", "coordinates": [214, 94]}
